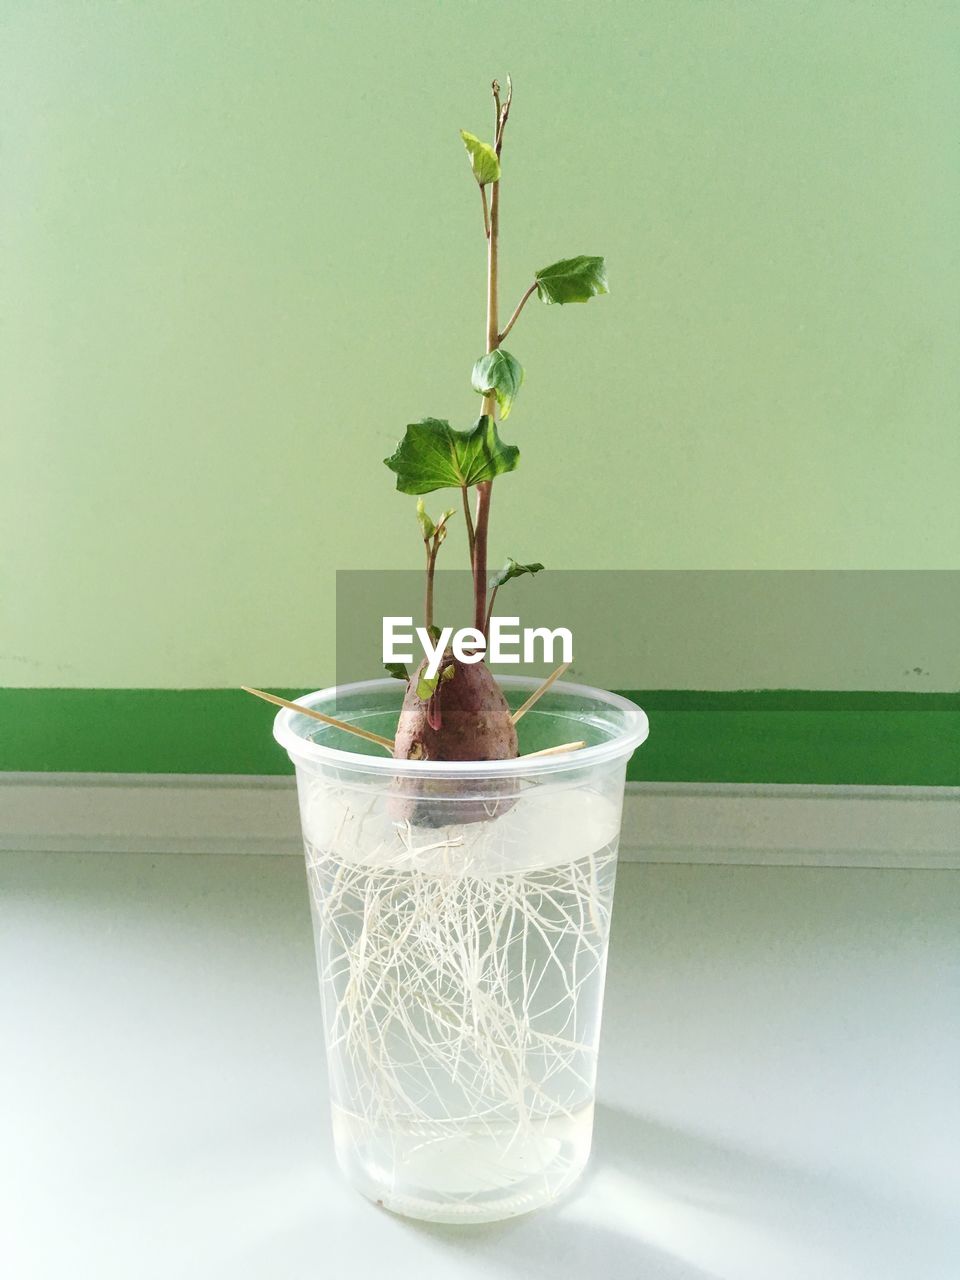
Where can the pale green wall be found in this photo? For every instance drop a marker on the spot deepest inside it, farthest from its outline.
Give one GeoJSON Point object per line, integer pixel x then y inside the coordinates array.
{"type": "Point", "coordinates": [241, 250]}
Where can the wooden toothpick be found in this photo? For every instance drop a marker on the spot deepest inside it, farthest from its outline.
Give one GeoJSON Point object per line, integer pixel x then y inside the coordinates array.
{"type": "Point", "coordinates": [554, 751]}
{"type": "Point", "coordinates": [538, 693]}
{"type": "Point", "coordinates": [318, 715]}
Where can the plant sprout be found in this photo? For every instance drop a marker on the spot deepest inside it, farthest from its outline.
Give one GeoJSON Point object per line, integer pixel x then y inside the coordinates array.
{"type": "Point", "coordinates": [461, 713]}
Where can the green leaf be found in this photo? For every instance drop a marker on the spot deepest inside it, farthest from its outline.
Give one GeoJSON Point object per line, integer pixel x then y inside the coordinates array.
{"type": "Point", "coordinates": [432, 455]}
{"type": "Point", "coordinates": [500, 373]}
{"type": "Point", "coordinates": [512, 570]}
{"type": "Point", "coordinates": [572, 280]}
{"type": "Point", "coordinates": [427, 527]}
{"type": "Point", "coordinates": [427, 685]}
{"type": "Point", "coordinates": [483, 159]}
{"type": "Point", "coordinates": [397, 670]}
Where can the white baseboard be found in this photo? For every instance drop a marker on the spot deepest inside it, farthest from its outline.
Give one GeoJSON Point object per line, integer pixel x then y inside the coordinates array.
{"type": "Point", "coordinates": [916, 827]}
{"type": "Point", "coordinates": [792, 826]}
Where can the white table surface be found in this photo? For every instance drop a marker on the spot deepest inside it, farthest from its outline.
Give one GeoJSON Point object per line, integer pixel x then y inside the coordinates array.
{"type": "Point", "coordinates": [778, 1092]}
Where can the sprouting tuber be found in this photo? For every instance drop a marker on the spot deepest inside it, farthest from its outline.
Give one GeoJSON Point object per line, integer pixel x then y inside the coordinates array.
{"type": "Point", "coordinates": [460, 712]}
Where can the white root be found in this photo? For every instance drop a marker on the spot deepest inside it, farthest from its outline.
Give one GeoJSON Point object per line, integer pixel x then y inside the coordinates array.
{"type": "Point", "coordinates": [459, 1001]}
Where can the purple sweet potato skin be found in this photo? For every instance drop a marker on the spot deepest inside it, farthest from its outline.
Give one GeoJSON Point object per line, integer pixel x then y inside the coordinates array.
{"type": "Point", "coordinates": [474, 719]}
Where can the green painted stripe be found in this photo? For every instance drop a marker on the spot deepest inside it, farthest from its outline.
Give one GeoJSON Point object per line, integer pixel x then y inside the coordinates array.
{"type": "Point", "coordinates": [791, 700]}
{"type": "Point", "coordinates": [800, 736]}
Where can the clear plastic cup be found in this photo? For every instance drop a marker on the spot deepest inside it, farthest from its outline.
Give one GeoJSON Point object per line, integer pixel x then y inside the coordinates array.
{"type": "Point", "coordinates": [461, 917]}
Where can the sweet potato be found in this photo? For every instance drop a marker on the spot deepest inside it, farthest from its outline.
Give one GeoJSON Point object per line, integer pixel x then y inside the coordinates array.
{"type": "Point", "coordinates": [466, 719]}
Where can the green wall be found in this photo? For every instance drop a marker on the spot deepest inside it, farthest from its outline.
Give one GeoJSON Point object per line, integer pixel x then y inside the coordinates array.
{"type": "Point", "coordinates": [241, 249]}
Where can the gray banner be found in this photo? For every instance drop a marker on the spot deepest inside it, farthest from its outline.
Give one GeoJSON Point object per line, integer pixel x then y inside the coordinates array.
{"type": "Point", "coordinates": [694, 629]}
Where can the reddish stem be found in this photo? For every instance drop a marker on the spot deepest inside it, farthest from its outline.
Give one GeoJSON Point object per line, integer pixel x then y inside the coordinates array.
{"type": "Point", "coordinates": [480, 557]}
{"type": "Point", "coordinates": [428, 596]}
{"type": "Point", "coordinates": [468, 519]}
{"type": "Point", "coordinates": [484, 489]}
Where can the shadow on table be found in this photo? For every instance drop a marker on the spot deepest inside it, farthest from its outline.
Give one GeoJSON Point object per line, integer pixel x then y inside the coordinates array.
{"type": "Point", "coordinates": [659, 1203]}
{"type": "Point", "coordinates": [590, 1233]}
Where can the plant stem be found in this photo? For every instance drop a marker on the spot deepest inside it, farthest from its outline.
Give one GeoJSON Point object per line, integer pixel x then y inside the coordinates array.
{"type": "Point", "coordinates": [484, 489]}
{"type": "Point", "coordinates": [468, 518]}
{"type": "Point", "coordinates": [428, 597]}
{"type": "Point", "coordinates": [520, 305]}
{"type": "Point", "coordinates": [493, 266]}
{"type": "Point", "coordinates": [486, 212]}
{"type": "Point", "coordinates": [480, 556]}
{"type": "Point", "coordinates": [502, 112]}
{"type": "Point", "coordinates": [493, 596]}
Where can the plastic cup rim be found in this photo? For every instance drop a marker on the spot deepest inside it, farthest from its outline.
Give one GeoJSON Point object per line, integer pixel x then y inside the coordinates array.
{"type": "Point", "coordinates": [303, 750]}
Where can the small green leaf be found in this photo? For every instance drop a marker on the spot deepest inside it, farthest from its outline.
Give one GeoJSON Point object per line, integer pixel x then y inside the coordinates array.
{"type": "Point", "coordinates": [397, 670]}
{"type": "Point", "coordinates": [432, 455]}
{"type": "Point", "coordinates": [572, 280]}
{"type": "Point", "coordinates": [501, 374]}
{"type": "Point", "coordinates": [427, 686]}
{"type": "Point", "coordinates": [512, 570]}
{"type": "Point", "coordinates": [483, 159]}
{"type": "Point", "coordinates": [427, 527]}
